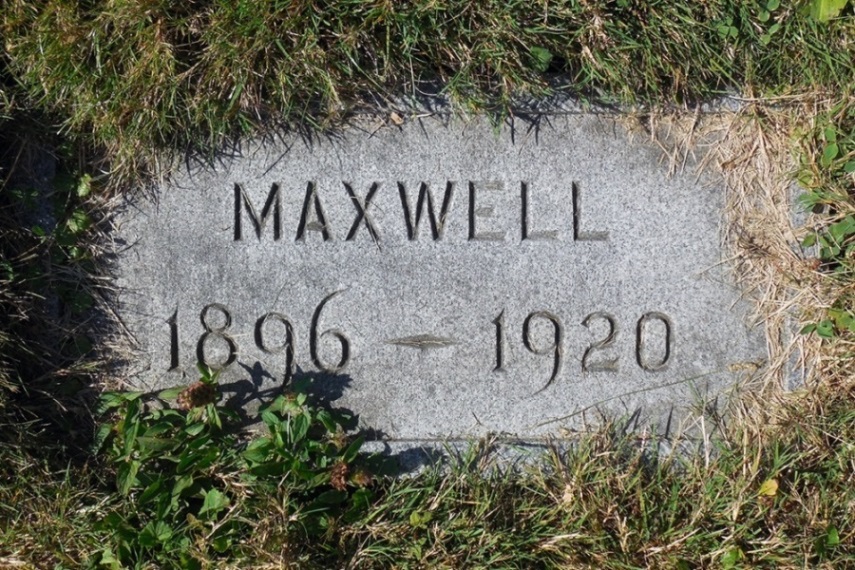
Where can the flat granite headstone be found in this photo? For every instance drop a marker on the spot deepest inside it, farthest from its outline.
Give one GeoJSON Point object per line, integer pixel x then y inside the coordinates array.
{"type": "Point", "coordinates": [442, 279]}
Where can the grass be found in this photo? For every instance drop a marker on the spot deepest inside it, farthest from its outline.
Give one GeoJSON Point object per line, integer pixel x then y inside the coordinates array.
{"type": "Point", "coordinates": [123, 82]}
{"type": "Point", "coordinates": [45, 511]}
{"type": "Point", "coordinates": [778, 498]}
{"type": "Point", "coordinates": [138, 77]}
{"type": "Point", "coordinates": [611, 504]}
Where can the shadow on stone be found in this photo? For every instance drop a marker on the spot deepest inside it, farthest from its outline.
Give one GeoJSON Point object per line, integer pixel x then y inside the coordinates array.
{"type": "Point", "coordinates": [260, 387]}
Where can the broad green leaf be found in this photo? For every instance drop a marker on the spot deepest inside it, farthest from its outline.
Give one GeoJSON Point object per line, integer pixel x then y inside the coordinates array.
{"type": "Point", "coordinates": [361, 498]}
{"type": "Point", "coordinates": [131, 426]}
{"type": "Point", "coordinates": [809, 200]}
{"type": "Point", "coordinates": [830, 134]}
{"type": "Point", "coordinates": [199, 459]}
{"type": "Point", "coordinates": [353, 449]}
{"type": "Point", "coordinates": [147, 537]}
{"type": "Point", "coordinates": [299, 427]}
{"type": "Point", "coordinates": [832, 536]}
{"type": "Point", "coordinates": [269, 470]}
{"type": "Point", "coordinates": [208, 459]}
{"type": "Point", "coordinates": [820, 546]}
{"type": "Point", "coordinates": [213, 416]}
{"type": "Point", "coordinates": [110, 400]}
{"type": "Point", "coordinates": [829, 154]}
{"type": "Point", "coordinates": [204, 372]}
{"type": "Point", "coordinates": [258, 451]}
{"type": "Point", "coordinates": [215, 501]}
{"type": "Point", "coordinates": [115, 523]}
{"type": "Point", "coordinates": [173, 415]}
{"type": "Point", "coordinates": [829, 251]}
{"type": "Point", "coordinates": [326, 418]}
{"type": "Point", "coordinates": [825, 329]}
{"type": "Point", "coordinates": [162, 531]}
{"type": "Point", "coordinates": [841, 230]}
{"type": "Point", "coordinates": [842, 319]}
{"type": "Point", "coordinates": [149, 444]}
{"type": "Point", "coordinates": [419, 519]}
{"type": "Point", "coordinates": [849, 167]}
{"type": "Point", "coordinates": [807, 329]}
{"type": "Point", "coordinates": [154, 533]}
{"type": "Point", "coordinates": [825, 10]}
{"type": "Point", "coordinates": [270, 419]}
{"type": "Point", "coordinates": [151, 491]}
{"type": "Point", "coordinates": [78, 222]}
{"type": "Point", "coordinates": [84, 186]}
{"type": "Point", "coordinates": [101, 436]}
{"type": "Point", "coordinates": [331, 498]}
{"type": "Point", "coordinates": [732, 557]}
{"type": "Point", "coordinates": [360, 501]}
{"type": "Point", "coordinates": [170, 393]}
{"type": "Point", "coordinates": [542, 58]}
{"type": "Point", "coordinates": [221, 543]}
{"type": "Point", "coordinates": [127, 476]}
{"type": "Point", "coordinates": [769, 488]}
{"type": "Point", "coordinates": [109, 560]}
{"type": "Point", "coordinates": [159, 427]}
{"type": "Point", "coordinates": [187, 560]}
{"type": "Point", "coordinates": [182, 484]}
{"type": "Point", "coordinates": [809, 240]}
{"type": "Point", "coordinates": [773, 5]}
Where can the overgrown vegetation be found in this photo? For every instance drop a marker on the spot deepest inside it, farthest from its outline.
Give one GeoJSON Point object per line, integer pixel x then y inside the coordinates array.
{"type": "Point", "coordinates": [176, 486]}
{"type": "Point", "coordinates": [186, 478]}
{"type": "Point", "coordinates": [828, 167]}
{"type": "Point", "coordinates": [188, 494]}
{"type": "Point", "coordinates": [47, 256]}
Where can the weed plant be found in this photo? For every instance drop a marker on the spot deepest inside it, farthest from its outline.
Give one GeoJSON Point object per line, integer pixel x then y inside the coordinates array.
{"type": "Point", "coordinates": [186, 478]}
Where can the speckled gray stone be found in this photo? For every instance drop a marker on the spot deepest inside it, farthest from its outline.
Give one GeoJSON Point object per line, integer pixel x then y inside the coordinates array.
{"type": "Point", "coordinates": [545, 273]}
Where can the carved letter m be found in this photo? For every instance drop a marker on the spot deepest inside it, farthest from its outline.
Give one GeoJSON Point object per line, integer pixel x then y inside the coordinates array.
{"type": "Point", "coordinates": [272, 203]}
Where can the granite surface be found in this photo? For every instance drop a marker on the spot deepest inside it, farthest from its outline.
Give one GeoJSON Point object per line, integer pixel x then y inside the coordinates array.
{"type": "Point", "coordinates": [441, 278]}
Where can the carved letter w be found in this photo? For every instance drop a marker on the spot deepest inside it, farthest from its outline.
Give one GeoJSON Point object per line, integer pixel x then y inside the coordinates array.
{"type": "Point", "coordinates": [437, 225]}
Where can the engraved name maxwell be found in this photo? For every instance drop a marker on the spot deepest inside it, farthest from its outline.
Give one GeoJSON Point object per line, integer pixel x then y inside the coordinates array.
{"type": "Point", "coordinates": [543, 333]}
{"type": "Point", "coordinates": [417, 204]}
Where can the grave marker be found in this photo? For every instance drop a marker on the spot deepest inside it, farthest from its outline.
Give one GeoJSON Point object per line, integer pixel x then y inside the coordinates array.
{"type": "Point", "coordinates": [440, 279]}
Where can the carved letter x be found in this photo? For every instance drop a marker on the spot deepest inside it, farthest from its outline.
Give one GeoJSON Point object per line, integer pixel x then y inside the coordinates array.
{"type": "Point", "coordinates": [361, 212]}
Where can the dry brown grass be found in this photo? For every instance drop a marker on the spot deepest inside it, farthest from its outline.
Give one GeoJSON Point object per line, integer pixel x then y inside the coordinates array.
{"type": "Point", "coordinates": [755, 151]}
